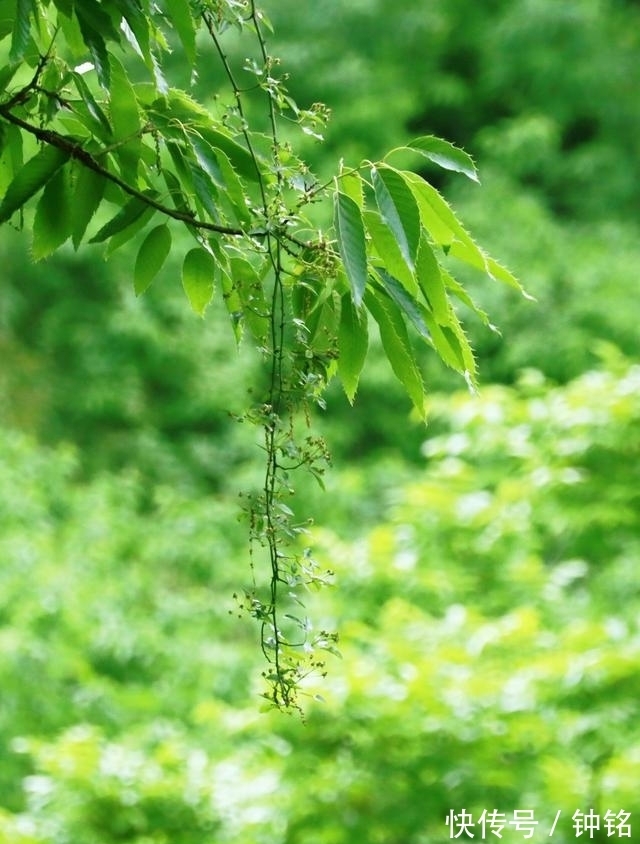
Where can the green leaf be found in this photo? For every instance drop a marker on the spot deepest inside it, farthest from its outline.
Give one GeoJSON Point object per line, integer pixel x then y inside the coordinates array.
{"type": "Point", "coordinates": [25, 9]}
{"type": "Point", "coordinates": [151, 256]}
{"type": "Point", "coordinates": [351, 244]}
{"type": "Point", "coordinates": [234, 189]}
{"type": "Point", "coordinates": [430, 280]}
{"type": "Point", "coordinates": [125, 115]}
{"type": "Point", "coordinates": [138, 22]}
{"type": "Point", "coordinates": [94, 110]}
{"type": "Point", "coordinates": [407, 304]}
{"type": "Point", "coordinates": [353, 341]}
{"type": "Point", "coordinates": [198, 274]}
{"type": "Point", "coordinates": [28, 180]}
{"type": "Point", "coordinates": [395, 342]}
{"type": "Point", "coordinates": [446, 155]}
{"type": "Point", "coordinates": [53, 220]}
{"type": "Point", "coordinates": [127, 215]}
{"type": "Point", "coordinates": [452, 346]}
{"type": "Point", "coordinates": [350, 182]}
{"type": "Point", "coordinates": [128, 232]}
{"type": "Point", "coordinates": [90, 187]}
{"type": "Point", "coordinates": [444, 226]}
{"type": "Point", "coordinates": [431, 220]}
{"type": "Point", "coordinates": [95, 24]}
{"type": "Point", "coordinates": [399, 209]}
{"type": "Point", "coordinates": [180, 12]}
{"type": "Point", "coordinates": [388, 250]}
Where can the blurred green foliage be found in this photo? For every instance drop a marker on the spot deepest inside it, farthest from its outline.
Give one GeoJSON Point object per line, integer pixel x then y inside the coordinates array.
{"type": "Point", "coordinates": [489, 623]}
{"type": "Point", "coordinates": [487, 570]}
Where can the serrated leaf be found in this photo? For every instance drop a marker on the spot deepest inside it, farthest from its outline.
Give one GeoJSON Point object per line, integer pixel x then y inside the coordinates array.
{"type": "Point", "coordinates": [452, 346]}
{"type": "Point", "coordinates": [407, 304]}
{"type": "Point", "coordinates": [444, 226]}
{"type": "Point", "coordinates": [30, 178]}
{"type": "Point", "coordinates": [446, 155]}
{"type": "Point", "coordinates": [125, 115]}
{"type": "Point", "coordinates": [127, 215]}
{"type": "Point", "coordinates": [94, 25]}
{"type": "Point", "coordinates": [234, 189]}
{"type": "Point", "coordinates": [90, 187]}
{"type": "Point", "coordinates": [138, 22]}
{"type": "Point", "coordinates": [126, 234]}
{"type": "Point", "coordinates": [350, 183]}
{"type": "Point", "coordinates": [398, 209]}
{"type": "Point", "coordinates": [353, 342]}
{"type": "Point", "coordinates": [25, 9]}
{"type": "Point", "coordinates": [198, 275]}
{"type": "Point", "coordinates": [351, 244]}
{"type": "Point", "coordinates": [180, 12]}
{"type": "Point", "coordinates": [460, 293]}
{"type": "Point", "coordinates": [431, 283]}
{"type": "Point", "coordinates": [93, 109]}
{"type": "Point", "coordinates": [151, 256]}
{"type": "Point", "coordinates": [395, 342]}
{"type": "Point", "coordinates": [388, 250]}
{"type": "Point", "coordinates": [53, 220]}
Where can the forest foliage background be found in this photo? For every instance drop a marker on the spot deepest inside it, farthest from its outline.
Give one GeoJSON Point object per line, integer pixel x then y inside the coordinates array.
{"type": "Point", "coordinates": [486, 567]}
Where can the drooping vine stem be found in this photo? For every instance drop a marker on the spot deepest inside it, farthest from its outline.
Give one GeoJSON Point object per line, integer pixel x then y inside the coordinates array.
{"type": "Point", "coordinates": [269, 519]}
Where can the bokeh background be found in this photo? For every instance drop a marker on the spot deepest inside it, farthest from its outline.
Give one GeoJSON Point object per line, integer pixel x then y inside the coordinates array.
{"type": "Point", "coordinates": [487, 568]}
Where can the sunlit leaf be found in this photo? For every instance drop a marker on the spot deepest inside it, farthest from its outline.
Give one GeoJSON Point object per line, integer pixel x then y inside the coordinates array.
{"type": "Point", "coordinates": [24, 11]}
{"type": "Point", "coordinates": [53, 219]}
{"type": "Point", "coordinates": [398, 209]}
{"type": "Point", "coordinates": [151, 256]}
{"type": "Point", "coordinates": [395, 341]}
{"type": "Point", "coordinates": [198, 276]}
{"type": "Point", "coordinates": [33, 176]}
{"type": "Point", "coordinates": [353, 341]}
{"type": "Point", "coordinates": [351, 244]}
{"type": "Point", "coordinates": [446, 155]}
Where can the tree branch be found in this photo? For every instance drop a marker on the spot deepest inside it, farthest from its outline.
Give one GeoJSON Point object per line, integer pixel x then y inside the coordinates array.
{"type": "Point", "coordinates": [77, 152]}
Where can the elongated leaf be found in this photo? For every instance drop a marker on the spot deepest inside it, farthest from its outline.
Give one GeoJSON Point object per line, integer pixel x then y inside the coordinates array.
{"type": "Point", "coordinates": [431, 220]}
{"type": "Point", "coordinates": [353, 341]}
{"type": "Point", "coordinates": [460, 293]}
{"type": "Point", "coordinates": [180, 11]}
{"type": "Point", "coordinates": [388, 250]}
{"type": "Point", "coordinates": [95, 24]}
{"type": "Point", "coordinates": [446, 345]}
{"type": "Point", "coordinates": [88, 194]}
{"type": "Point", "coordinates": [138, 23]}
{"type": "Point", "coordinates": [234, 190]}
{"type": "Point", "coordinates": [53, 220]}
{"type": "Point", "coordinates": [399, 209]}
{"type": "Point", "coordinates": [430, 280]}
{"type": "Point", "coordinates": [446, 155]}
{"type": "Point", "coordinates": [205, 191]}
{"type": "Point", "coordinates": [104, 127]}
{"type": "Point", "coordinates": [351, 183]}
{"type": "Point", "coordinates": [151, 256]}
{"type": "Point", "coordinates": [125, 115]}
{"type": "Point", "coordinates": [407, 304]}
{"type": "Point", "coordinates": [439, 217]}
{"type": "Point", "coordinates": [127, 215]}
{"type": "Point", "coordinates": [452, 345]}
{"type": "Point", "coordinates": [198, 275]}
{"type": "Point", "coordinates": [126, 234]}
{"type": "Point", "coordinates": [351, 244]}
{"type": "Point", "coordinates": [395, 341]}
{"type": "Point", "coordinates": [25, 9]}
{"type": "Point", "coordinates": [28, 181]}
